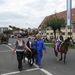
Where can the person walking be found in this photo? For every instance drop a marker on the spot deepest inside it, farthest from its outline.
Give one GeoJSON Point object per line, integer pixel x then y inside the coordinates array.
{"type": "Point", "coordinates": [39, 46]}
{"type": "Point", "coordinates": [19, 48]}
{"type": "Point", "coordinates": [29, 42]}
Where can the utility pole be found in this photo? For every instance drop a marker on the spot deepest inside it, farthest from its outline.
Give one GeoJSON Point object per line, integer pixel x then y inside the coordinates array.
{"type": "Point", "coordinates": [69, 14]}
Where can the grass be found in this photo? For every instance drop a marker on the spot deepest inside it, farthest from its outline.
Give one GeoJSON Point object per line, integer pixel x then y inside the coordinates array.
{"type": "Point", "coordinates": [52, 45]}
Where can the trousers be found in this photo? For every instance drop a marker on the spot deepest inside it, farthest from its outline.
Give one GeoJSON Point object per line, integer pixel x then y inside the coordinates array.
{"type": "Point", "coordinates": [19, 58]}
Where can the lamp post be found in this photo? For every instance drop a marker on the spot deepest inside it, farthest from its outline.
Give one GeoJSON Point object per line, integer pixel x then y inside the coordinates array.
{"type": "Point", "coordinates": [28, 29]}
{"type": "Point", "coordinates": [69, 14]}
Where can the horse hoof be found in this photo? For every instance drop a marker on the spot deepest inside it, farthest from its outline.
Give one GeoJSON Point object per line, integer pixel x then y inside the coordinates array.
{"type": "Point", "coordinates": [60, 59]}
{"type": "Point", "coordinates": [57, 58]}
{"type": "Point", "coordinates": [31, 65]}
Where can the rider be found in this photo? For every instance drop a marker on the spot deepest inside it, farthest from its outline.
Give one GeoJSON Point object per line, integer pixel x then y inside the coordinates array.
{"type": "Point", "coordinates": [59, 40]}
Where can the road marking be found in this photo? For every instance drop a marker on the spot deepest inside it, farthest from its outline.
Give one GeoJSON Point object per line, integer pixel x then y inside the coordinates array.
{"type": "Point", "coordinates": [20, 71]}
{"type": "Point", "coordinates": [9, 47]}
{"type": "Point", "coordinates": [9, 44]}
{"type": "Point", "coordinates": [11, 73]}
{"type": "Point", "coordinates": [42, 69]}
{"type": "Point", "coordinates": [32, 69]}
{"type": "Point", "coordinates": [46, 72]}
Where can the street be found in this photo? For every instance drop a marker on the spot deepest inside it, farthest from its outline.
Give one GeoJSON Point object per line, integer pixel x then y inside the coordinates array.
{"type": "Point", "coordinates": [8, 62]}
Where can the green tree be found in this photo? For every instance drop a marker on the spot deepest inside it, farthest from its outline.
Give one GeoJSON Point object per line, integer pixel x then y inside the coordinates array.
{"type": "Point", "coordinates": [55, 23]}
{"type": "Point", "coordinates": [8, 31]}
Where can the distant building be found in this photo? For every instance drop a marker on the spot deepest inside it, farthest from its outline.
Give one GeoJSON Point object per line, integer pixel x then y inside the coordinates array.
{"type": "Point", "coordinates": [3, 29]}
{"type": "Point", "coordinates": [66, 31]}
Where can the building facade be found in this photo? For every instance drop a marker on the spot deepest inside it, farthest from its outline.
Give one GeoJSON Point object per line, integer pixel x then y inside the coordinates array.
{"type": "Point", "coordinates": [68, 31]}
{"type": "Point", "coordinates": [3, 29]}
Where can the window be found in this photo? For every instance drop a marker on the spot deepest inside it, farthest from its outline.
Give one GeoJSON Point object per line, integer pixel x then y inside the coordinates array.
{"type": "Point", "coordinates": [51, 33]}
{"type": "Point", "coordinates": [63, 33]}
{"type": "Point", "coordinates": [69, 27]}
{"type": "Point", "coordinates": [47, 33]}
{"type": "Point", "coordinates": [69, 33]}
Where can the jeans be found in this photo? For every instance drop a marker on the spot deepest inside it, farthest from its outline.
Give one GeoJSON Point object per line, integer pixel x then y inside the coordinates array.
{"type": "Point", "coordinates": [19, 58]}
{"type": "Point", "coordinates": [57, 45]}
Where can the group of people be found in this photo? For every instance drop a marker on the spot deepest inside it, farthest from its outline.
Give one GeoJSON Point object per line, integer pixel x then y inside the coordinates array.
{"type": "Point", "coordinates": [37, 43]}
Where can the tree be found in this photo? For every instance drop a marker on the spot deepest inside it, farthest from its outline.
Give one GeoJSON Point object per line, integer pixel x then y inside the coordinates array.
{"type": "Point", "coordinates": [8, 31]}
{"type": "Point", "coordinates": [55, 23]}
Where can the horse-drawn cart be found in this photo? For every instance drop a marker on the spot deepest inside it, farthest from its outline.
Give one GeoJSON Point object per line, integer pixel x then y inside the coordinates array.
{"type": "Point", "coordinates": [4, 38]}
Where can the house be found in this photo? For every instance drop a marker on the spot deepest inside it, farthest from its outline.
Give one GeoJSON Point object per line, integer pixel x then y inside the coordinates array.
{"type": "Point", "coordinates": [69, 31]}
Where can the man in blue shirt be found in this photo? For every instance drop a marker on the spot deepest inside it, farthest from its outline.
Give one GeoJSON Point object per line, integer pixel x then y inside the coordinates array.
{"type": "Point", "coordinates": [39, 46]}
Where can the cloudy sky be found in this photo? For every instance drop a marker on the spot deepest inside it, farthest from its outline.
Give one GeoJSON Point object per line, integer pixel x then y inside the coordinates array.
{"type": "Point", "coordinates": [28, 13]}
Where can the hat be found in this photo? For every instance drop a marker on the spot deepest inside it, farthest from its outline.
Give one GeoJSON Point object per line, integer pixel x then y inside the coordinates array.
{"type": "Point", "coordinates": [19, 36]}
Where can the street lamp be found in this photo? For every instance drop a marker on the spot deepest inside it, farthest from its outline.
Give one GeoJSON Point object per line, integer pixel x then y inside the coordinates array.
{"type": "Point", "coordinates": [28, 29]}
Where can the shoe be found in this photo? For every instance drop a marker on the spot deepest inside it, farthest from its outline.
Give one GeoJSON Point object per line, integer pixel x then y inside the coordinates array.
{"type": "Point", "coordinates": [40, 66]}
{"type": "Point", "coordinates": [20, 69]}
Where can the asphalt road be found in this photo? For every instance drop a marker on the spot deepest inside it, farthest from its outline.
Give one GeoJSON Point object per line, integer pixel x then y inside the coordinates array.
{"type": "Point", "coordinates": [8, 63]}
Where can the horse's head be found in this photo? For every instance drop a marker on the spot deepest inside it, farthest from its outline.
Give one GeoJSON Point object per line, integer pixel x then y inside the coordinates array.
{"type": "Point", "coordinates": [69, 41]}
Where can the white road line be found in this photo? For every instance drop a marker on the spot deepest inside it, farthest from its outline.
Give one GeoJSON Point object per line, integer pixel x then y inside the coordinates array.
{"type": "Point", "coordinates": [20, 71]}
{"type": "Point", "coordinates": [9, 44]}
{"type": "Point", "coordinates": [43, 70]}
{"type": "Point", "coordinates": [11, 73]}
{"type": "Point", "coordinates": [9, 47]}
{"type": "Point", "coordinates": [46, 72]}
{"type": "Point", "coordinates": [32, 69]}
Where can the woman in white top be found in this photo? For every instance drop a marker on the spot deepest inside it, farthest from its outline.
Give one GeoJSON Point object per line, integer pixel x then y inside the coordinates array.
{"type": "Point", "coordinates": [19, 48]}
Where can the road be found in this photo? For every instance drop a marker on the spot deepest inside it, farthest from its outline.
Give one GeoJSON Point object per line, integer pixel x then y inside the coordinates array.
{"type": "Point", "coordinates": [8, 63]}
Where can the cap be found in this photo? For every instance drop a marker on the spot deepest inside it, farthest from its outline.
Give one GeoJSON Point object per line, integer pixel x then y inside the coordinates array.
{"type": "Point", "coordinates": [19, 36]}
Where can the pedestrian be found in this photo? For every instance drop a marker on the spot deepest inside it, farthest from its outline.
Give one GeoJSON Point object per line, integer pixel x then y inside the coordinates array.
{"type": "Point", "coordinates": [39, 46]}
{"type": "Point", "coordinates": [19, 48]}
{"type": "Point", "coordinates": [29, 42]}
{"type": "Point", "coordinates": [32, 40]}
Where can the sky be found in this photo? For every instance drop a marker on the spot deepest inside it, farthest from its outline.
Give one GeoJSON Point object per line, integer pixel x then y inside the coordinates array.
{"type": "Point", "coordinates": [29, 13]}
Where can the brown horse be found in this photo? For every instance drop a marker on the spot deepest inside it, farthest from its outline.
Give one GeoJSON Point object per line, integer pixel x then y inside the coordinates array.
{"type": "Point", "coordinates": [63, 48]}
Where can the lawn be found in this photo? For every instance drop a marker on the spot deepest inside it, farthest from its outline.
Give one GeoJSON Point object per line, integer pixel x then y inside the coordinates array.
{"type": "Point", "coordinates": [52, 45]}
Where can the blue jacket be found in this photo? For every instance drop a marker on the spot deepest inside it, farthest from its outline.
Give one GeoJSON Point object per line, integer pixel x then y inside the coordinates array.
{"type": "Point", "coordinates": [39, 45]}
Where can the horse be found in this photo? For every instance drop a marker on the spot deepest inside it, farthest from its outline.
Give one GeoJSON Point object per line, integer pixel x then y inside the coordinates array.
{"type": "Point", "coordinates": [4, 38]}
{"type": "Point", "coordinates": [30, 56]}
{"type": "Point", "coordinates": [63, 48]}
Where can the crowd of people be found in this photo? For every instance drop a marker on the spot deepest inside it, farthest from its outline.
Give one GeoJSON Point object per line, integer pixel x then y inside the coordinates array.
{"type": "Point", "coordinates": [35, 42]}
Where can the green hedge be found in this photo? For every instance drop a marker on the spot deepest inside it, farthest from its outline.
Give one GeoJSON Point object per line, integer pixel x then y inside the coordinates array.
{"type": "Point", "coordinates": [52, 45]}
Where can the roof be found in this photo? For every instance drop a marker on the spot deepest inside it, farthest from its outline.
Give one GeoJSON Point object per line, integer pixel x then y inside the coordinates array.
{"type": "Point", "coordinates": [61, 15]}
